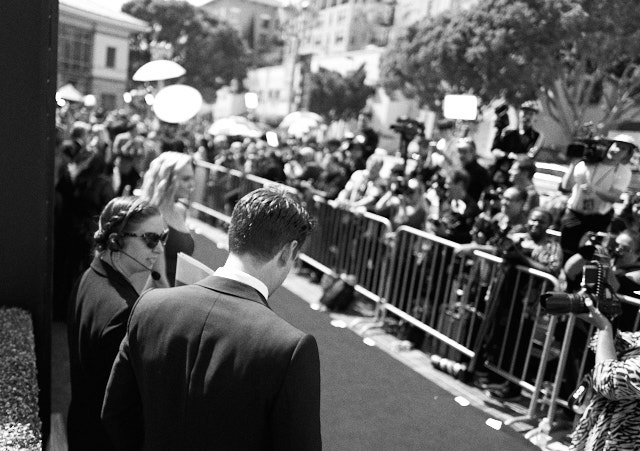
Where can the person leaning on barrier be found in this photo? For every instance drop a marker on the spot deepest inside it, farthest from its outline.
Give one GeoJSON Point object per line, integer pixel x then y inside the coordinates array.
{"type": "Point", "coordinates": [535, 249]}
{"type": "Point", "coordinates": [457, 210]}
{"type": "Point", "coordinates": [210, 365]}
{"type": "Point", "coordinates": [611, 420]}
{"type": "Point", "coordinates": [404, 204]}
{"type": "Point", "coordinates": [488, 232]}
{"type": "Point", "coordinates": [364, 187]}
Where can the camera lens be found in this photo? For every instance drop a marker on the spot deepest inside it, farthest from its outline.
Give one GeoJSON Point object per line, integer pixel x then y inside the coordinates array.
{"type": "Point", "coordinates": [559, 303]}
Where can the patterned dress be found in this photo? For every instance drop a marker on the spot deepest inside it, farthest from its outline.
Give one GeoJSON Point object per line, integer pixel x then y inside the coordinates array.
{"type": "Point", "coordinates": [612, 418]}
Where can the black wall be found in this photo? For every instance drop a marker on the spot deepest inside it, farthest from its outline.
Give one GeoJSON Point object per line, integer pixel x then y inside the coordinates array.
{"type": "Point", "coordinates": [28, 43]}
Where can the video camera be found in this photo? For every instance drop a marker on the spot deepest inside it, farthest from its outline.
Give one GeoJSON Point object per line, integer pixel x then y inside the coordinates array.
{"type": "Point", "coordinates": [594, 285]}
{"type": "Point", "coordinates": [408, 128]}
{"type": "Point", "coordinates": [591, 150]}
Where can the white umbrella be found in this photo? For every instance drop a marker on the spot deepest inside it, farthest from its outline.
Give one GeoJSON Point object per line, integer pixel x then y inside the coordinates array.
{"type": "Point", "coordinates": [159, 70]}
{"type": "Point", "coordinates": [177, 103]}
{"type": "Point", "coordinates": [235, 126]}
{"type": "Point", "coordinates": [302, 126]}
{"type": "Point", "coordinates": [307, 117]}
{"type": "Point", "coordinates": [69, 92]}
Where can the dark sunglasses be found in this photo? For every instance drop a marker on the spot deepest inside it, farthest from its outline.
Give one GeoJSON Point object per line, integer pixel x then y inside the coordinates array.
{"type": "Point", "coordinates": [151, 239]}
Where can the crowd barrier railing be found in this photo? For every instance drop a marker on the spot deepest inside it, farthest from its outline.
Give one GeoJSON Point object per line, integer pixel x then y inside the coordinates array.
{"type": "Point", "coordinates": [218, 188]}
{"type": "Point", "coordinates": [469, 308]}
{"type": "Point", "coordinates": [351, 243]}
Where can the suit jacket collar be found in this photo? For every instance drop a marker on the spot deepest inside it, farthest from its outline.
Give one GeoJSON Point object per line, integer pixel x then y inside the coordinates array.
{"type": "Point", "coordinates": [116, 279]}
{"type": "Point", "coordinates": [233, 288]}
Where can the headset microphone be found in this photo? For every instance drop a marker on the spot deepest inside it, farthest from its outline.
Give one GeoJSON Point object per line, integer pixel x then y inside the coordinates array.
{"type": "Point", "coordinates": [155, 275]}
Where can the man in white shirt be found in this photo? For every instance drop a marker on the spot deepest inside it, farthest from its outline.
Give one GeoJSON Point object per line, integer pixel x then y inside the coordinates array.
{"type": "Point", "coordinates": [595, 187]}
{"type": "Point", "coordinates": [210, 365]}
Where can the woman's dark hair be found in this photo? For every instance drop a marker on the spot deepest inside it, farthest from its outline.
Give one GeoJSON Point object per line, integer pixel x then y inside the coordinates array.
{"type": "Point", "coordinates": [118, 215]}
{"type": "Point", "coordinates": [265, 220]}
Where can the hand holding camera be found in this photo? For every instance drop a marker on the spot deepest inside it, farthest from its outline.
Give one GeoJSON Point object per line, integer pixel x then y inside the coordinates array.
{"type": "Point", "coordinates": [594, 316]}
{"type": "Point", "coordinates": [595, 288]}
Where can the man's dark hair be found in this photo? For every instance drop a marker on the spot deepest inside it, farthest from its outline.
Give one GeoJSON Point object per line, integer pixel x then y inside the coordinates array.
{"type": "Point", "coordinates": [265, 220]}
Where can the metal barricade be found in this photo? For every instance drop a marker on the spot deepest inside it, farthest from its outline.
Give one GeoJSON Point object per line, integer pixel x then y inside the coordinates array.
{"type": "Point", "coordinates": [218, 188]}
{"type": "Point", "coordinates": [344, 242]}
{"type": "Point", "coordinates": [424, 288]}
{"type": "Point", "coordinates": [472, 309]}
{"type": "Point", "coordinates": [351, 243]}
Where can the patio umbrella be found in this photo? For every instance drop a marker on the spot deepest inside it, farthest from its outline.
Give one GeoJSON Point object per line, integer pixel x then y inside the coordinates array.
{"type": "Point", "coordinates": [305, 117]}
{"type": "Point", "coordinates": [176, 104]}
{"type": "Point", "coordinates": [235, 126]}
{"type": "Point", "coordinates": [159, 70]}
{"type": "Point", "coordinates": [69, 92]}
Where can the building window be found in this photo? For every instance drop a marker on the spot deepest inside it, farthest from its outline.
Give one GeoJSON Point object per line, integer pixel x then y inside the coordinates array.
{"type": "Point", "coordinates": [74, 54]}
{"type": "Point", "coordinates": [111, 57]}
{"type": "Point", "coordinates": [339, 38]}
{"type": "Point", "coordinates": [108, 101]}
{"type": "Point", "coordinates": [265, 21]}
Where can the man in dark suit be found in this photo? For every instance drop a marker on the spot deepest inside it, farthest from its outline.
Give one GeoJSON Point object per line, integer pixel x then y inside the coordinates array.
{"type": "Point", "coordinates": [209, 365]}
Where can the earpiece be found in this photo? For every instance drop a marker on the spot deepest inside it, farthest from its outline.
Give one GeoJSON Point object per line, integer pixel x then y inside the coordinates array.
{"type": "Point", "coordinates": [114, 242]}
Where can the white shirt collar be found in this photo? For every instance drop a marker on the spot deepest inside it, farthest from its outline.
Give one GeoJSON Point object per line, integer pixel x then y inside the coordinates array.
{"type": "Point", "coordinates": [243, 277]}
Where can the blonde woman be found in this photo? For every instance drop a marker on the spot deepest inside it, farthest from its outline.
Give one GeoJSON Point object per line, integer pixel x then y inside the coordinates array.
{"type": "Point", "coordinates": [168, 185]}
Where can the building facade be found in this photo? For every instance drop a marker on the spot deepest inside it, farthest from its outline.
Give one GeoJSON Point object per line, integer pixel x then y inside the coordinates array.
{"type": "Point", "coordinates": [93, 49]}
{"type": "Point", "coordinates": [257, 22]}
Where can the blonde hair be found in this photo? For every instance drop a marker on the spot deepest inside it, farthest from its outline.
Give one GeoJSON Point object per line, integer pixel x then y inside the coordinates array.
{"type": "Point", "coordinates": [159, 185]}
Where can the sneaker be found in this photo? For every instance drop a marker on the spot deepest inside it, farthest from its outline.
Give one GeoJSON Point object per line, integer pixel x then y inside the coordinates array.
{"type": "Point", "coordinates": [506, 392]}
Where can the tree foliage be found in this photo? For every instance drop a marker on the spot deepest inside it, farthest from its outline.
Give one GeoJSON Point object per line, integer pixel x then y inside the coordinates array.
{"type": "Point", "coordinates": [333, 95]}
{"type": "Point", "coordinates": [567, 53]}
{"type": "Point", "coordinates": [209, 49]}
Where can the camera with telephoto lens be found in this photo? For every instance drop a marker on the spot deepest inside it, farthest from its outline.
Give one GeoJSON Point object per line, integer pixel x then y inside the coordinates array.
{"type": "Point", "coordinates": [594, 285]}
{"type": "Point", "coordinates": [408, 128]}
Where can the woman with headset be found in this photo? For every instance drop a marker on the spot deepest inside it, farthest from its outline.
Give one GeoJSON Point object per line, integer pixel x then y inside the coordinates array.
{"type": "Point", "coordinates": [130, 238]}
{"type": "Point", "coordinates": [168, 185]}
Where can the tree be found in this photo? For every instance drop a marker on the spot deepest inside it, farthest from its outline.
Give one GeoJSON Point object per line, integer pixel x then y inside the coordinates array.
{"type": "Point", "coordinates": [332, 95]}
{"type": "Point", "coordinates": [570, 54]}
{"type": "Point", "coordinates": [209, 49]}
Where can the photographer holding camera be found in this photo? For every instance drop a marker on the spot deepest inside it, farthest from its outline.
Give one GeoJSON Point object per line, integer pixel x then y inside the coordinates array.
{"type": "Point", "coordinates": [512, 316]}
{"type": "Point", "coordinates": [611, 420]}
{"type": "Point", "coordinates": [511, 144]}
{"type": "Point", "coordinates": [596, 184]}
{"type": "Point", "coordinates": [404, 203]}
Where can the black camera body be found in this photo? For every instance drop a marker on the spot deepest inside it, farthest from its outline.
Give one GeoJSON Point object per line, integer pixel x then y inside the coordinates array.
{"type": "Point", "coordinates": [594, 285]}
{"type": "Point", "coordinates": [408, 128]}
{"type": "Point", "coordinates": [502, 116]}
